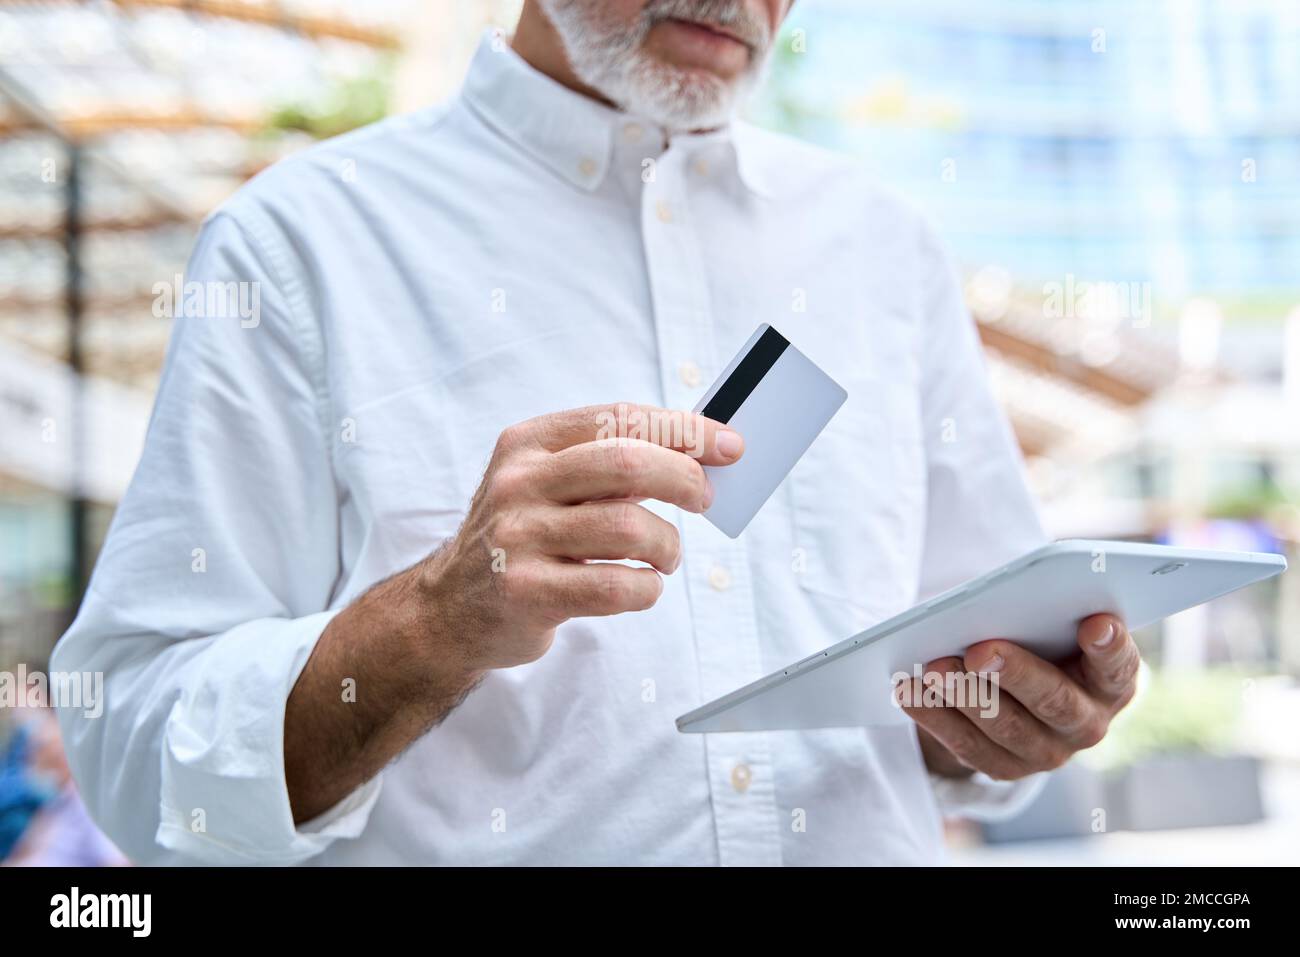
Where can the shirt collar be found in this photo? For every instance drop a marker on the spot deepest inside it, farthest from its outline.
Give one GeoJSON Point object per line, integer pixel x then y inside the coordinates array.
{"type": "Point", "coordinates": [572, 134]}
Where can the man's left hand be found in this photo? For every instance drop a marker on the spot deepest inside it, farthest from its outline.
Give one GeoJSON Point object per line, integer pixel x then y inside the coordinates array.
{"type": "Point", "coordinates": [1045, 712]}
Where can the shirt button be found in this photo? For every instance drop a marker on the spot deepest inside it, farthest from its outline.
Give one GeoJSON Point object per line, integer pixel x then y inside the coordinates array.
{"type": "Point", "coordinates": [741, 775]}
{"type": "Point", "coordinates": [664, 211]}
{"type": "Point", "coordinates": [632, 132]}
{"type": "Point", "coordinates": [689, 373]}
{"type": "Point", "coordinates": [587, 167]}
{"type": "Point", "coordinates": [701, 167]}
{"type": "Point", "coordinates": [719, 578]}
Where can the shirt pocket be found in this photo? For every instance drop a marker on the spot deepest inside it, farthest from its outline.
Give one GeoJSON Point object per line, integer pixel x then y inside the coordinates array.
{"type": "Point", "coordinates": [406, 481]}
{"type": "Point", "coordinates": [858, 501]}
{"type": "Point", "coordinates": [418, 454]}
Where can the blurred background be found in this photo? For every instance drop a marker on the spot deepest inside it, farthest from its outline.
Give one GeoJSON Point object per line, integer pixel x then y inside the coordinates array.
{"type": "Point", "coordinates": [1120, 182]}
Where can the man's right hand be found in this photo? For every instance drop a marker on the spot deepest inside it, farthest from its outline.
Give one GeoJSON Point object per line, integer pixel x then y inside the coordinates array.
{"type": "Point", "coordinates": [557, 508]}
{"type": "Point", "coordinates": [556, 511]}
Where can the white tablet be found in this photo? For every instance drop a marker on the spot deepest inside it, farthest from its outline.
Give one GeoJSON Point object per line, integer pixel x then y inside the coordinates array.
{"type": "Point", "coordinates": [1036, 601]}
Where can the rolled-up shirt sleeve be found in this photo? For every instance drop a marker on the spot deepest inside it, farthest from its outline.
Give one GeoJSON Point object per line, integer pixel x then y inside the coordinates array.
{"type": "Point", "coordinates": [215, 578]}
{"type": "Point", "coordinates": [979, 510]}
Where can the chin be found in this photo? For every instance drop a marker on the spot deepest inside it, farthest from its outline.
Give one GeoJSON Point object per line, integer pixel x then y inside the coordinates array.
{"type": "Point", "coordinates": [681, 98]}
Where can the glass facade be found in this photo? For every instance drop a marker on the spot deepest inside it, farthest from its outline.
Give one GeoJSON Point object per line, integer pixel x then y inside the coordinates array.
{"type": "Point", "coordinates": [1128, 142]}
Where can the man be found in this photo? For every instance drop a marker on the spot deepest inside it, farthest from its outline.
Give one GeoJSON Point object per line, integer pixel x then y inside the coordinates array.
{"type": "Point", "coordinates": [330, 635]}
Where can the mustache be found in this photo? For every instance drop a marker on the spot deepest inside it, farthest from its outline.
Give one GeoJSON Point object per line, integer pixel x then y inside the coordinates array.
{"type": "Point", "coordinates": [734, 15]}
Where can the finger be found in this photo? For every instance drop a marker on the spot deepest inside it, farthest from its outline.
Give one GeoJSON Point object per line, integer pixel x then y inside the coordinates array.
{"type": "Point", "coordinates": [1110, 658]}
{"type": "Point", "coordinates": [611, 531]}
{"type": "Point", "coordinates": [1050, 695]}
{"type": "Point", "coordinates": [601, 588]}
{"type": "Point", "coordinates": [639, 470]}
{"type": "Point", "coordinates": [709, 442]}
{"type": "Point", "coordinates": [1005, 720]}
{"type": "Point", "coordinates": [932, 686]}
{"type": "Point", "coordinates": [967, 744]}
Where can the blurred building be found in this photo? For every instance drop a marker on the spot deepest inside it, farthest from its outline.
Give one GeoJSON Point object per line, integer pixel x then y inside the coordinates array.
{"type": "Point", "coordinates": [1152, 142]}
{"type": "Point", "coordinates": [121, 125]}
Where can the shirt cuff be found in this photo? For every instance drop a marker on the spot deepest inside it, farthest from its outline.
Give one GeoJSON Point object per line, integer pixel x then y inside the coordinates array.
{"type": "Point", "coordinates": [981, 798]}
{"type": "Point", "coordinates": [224, 797]}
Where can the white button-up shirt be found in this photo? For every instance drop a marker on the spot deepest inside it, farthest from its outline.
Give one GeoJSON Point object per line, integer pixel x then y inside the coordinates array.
{"type": "Point", "coordinates": [426, 282]}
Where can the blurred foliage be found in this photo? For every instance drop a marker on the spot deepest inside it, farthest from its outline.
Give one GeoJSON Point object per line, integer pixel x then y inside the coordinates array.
{"type": "Point", "coordinates": [790, 113]}
{"type": "Point", "coordinates": [345, 105]}
{"type": "Point", "coordinates": [1249, 501]}
{"type": "Point", "coordinates": [1176, 712]}
{"type": "Point", "coordinates": [54, 591]}
{"type": "Point", "coordinates": [1262, 307]}
{"type": "Point", "coordinates": [783, 108]}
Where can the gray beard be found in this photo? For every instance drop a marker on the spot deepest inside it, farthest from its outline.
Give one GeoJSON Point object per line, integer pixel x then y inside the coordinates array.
{"type": "Point", "coordinates": [612, 61]}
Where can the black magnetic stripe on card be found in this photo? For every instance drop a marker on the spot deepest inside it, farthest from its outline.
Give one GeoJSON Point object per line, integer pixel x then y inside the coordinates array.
{"type": "Point", "coordinates": [746, 377]}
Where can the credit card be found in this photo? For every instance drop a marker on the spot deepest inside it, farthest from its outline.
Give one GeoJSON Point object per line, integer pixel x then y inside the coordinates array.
{"type": "Point", "coordinates": [779, 401]}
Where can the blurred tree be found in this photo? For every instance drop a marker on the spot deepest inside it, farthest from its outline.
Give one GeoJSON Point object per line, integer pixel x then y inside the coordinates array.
{"type": "Point", "coordinates": [1176, 712]}
{"type": "Point", "coordinates": [346, 105]}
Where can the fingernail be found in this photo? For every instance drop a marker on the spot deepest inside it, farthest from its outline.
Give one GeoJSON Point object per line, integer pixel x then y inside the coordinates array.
{"type": "Point", "coordinates": [993, 664]}
{"type": "Point", "coordinates": [708, 493]}
{"type": "Point", "coordinates": [729, 444]}
{"type": "Point", "coordinates": [1107, 638]}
